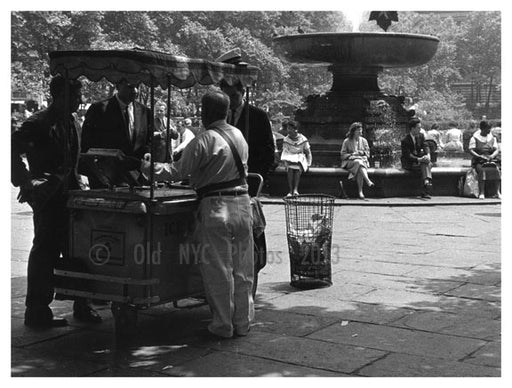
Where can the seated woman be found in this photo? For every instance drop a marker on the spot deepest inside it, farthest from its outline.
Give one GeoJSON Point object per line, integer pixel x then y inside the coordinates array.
{"type": "Point", "coordinates": [484, 149]}
{"type": "Point", "coordinates": [296, 156]}
{"type": "Point", "coordinates": [434, 141]}
{"type": "Point", "coordinates": [453, 139]}
{"type": "Point", "coordinates": [354, 157]}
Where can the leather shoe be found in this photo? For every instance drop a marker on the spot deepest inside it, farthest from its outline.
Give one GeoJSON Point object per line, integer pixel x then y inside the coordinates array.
{"type": "Point", "coordinates": [85, 313]}
{"type": "Point", "coordinates": [41, 317]}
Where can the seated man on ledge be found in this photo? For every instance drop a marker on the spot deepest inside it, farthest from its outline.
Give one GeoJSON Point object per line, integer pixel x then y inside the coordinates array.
{"type": "Point", "coordinates": [416, 155]}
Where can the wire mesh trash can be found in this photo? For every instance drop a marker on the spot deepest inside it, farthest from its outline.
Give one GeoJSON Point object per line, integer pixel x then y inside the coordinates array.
{"type": "Point", "coordinates": [309, 220]}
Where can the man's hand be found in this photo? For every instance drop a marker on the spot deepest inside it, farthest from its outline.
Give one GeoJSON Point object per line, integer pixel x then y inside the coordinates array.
{"type": "Point", "coordinates": [424, 159]}
{"type": "Point", "coordinates": [36, 192]}
{"type": "Point", "coordinates": [145, 165]}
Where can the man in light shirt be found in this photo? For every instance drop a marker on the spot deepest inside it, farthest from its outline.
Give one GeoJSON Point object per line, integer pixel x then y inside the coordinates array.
{"type": "Point", "coordinates": [218, 173]}
{"type": "Point", "coordinates": [185, 136]}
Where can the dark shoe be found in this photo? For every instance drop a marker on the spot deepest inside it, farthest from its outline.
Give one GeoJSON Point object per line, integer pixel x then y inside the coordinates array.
{"type": "Point", "coordinates": [42, 317]}
{"type": "Point", "coordinates": [85, 313]}
{"type": "Point", "coordinates": [428, 188]}
{"type": "Point", "coordinates": [426, 195]}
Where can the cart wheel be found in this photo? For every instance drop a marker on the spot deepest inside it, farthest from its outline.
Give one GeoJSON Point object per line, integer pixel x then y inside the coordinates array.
{"type": "Point", "coordinates": [125, 321]}
{"type": "Point", "coordinates": [260, 259]}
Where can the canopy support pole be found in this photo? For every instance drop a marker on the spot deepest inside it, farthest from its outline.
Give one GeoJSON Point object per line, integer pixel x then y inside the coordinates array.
{"type": "Point", "coordinates": [168, 133]}
{"type": "Point", "coordinates": [153, 143]}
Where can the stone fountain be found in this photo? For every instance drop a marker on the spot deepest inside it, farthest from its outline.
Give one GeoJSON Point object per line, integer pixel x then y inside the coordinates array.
{"type": "Point", "coordinates": [355, 60]}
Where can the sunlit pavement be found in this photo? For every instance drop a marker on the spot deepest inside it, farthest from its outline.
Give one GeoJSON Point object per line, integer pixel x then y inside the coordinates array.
{"type": "Point", "coordinates": [416, 292]}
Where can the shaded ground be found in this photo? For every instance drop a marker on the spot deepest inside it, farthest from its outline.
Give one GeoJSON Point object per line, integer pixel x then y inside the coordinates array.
{"type": "Point", "coordinates": [416, 292]}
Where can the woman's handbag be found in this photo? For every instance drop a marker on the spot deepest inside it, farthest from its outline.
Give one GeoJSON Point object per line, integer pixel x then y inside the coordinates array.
{"type": "Point", "coordinates": [471, 184]}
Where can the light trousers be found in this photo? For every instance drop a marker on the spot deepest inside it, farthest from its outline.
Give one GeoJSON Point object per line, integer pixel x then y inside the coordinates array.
{"type": "Point", "coordinates": [227, 262]}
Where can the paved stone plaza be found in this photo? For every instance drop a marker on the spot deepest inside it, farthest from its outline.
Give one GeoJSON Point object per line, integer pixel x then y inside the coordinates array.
{"type": "Point", "coordinates": [416, 292]}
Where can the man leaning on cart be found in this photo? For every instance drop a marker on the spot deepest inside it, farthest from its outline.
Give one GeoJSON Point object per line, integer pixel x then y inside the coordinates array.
{"type": "Point", "coordinates": [51, 148]}
{"type": "Point", "coordinates": [216, 163]}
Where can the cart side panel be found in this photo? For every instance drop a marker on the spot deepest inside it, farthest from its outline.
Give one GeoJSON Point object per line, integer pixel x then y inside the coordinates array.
{"type": "Point", "coordinates": [108, 243]}
{"type": "Point", "coordinates": [175, 258]}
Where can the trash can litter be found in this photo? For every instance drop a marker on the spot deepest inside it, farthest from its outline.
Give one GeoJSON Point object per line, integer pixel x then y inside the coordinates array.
{"type": "Point", "coordinates": [309, 220]}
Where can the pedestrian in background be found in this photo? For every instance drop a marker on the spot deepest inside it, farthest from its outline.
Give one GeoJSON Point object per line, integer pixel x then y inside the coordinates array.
{"type": "Point", "coordinates": [354, 157]}
{"type": "Point", "coordinates": [296, 156]}
{"type": "Point", "coordinates": [416, 155]}
{"type": "Point", "coordinates": [483, 146]}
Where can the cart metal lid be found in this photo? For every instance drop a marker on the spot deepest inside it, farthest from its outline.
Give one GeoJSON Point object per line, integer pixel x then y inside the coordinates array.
{"type": "Point", "coordinates": [149, 67]}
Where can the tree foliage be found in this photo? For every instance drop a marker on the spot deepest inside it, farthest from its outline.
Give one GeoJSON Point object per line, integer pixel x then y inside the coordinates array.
{"type": "Point", "coordinates": [466, 49]}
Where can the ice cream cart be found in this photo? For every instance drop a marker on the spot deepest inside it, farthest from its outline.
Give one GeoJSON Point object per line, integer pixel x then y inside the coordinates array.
{"type": "Point", "coordinates": [128, 244]}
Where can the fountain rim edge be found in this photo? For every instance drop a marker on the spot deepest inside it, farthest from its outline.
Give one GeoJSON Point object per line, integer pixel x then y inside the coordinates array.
{"type": "Point", "coordinates": [357, 34]}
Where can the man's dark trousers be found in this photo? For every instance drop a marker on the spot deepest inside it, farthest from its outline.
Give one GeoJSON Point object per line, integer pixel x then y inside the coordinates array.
{"type": "Point", "coordinates": [50, 240]}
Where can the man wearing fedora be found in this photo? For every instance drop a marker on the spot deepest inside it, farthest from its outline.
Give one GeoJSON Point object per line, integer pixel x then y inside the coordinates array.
{"type": "Point", "coordinates": [252, 121]}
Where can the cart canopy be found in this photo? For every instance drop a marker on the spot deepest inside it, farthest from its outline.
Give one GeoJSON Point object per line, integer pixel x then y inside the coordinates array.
{"type": "Point", "coordinates": [149, 67]}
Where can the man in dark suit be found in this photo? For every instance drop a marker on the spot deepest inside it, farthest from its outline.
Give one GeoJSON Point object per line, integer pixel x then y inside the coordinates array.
{"type": "Point", "coordinates": [121, 123]}
{"type": "Point", "coordinates": [416, 155]}
{"type": "Point", "coordinates": [252, 121]}
{"type": "Point", "coordinates": [49, 140]}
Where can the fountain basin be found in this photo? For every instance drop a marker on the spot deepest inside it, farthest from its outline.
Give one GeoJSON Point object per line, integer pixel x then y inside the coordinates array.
{"type": "Point", "coordinates": [364, 49]}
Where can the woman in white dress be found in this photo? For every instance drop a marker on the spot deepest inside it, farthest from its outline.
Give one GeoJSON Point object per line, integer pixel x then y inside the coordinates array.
{"type": "Point", "coordinates": [296, 156]}
{"type": "Point", "coordinates": [354, 157]}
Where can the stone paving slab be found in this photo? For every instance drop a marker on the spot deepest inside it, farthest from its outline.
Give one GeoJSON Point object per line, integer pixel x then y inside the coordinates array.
{"type": "Point", "coordinates": [489, 354]}
{"type": "Point", "coordinates": [489, 274]}
{"type": "Point", "coordinates": [339, 309]}
{"type": "Point", "coordinates": [406, 365]}
{"type": "Point", "coordinates": [371, 265]}
{"type": "Point", "coordinates": [399, 340]}
{"type": "Point", "coordinates": [477, 291]}
{"type": "Point", "coordinates": [157, 358]}
{"type": "Point", "coordinates": [290, 324]}
{"type": "Point", "coordinates": [400, 298]}
{"type": "Point", "coordinates": [455, 324]}
{"type": "Point", "coordinates": [19, 287]}
{"type": "Point", "coordinates": [240, 365]}
{"type": "Point", "coordinates": [403, 283]}
{"type": "Point", "coordinates": [306, 352]}
{"type": "Point", "coordinates": [464, 306]}
{"type": "Point", "coordinates": [30, 363]}
{"type": "Point", "coordinates": [23, 336]}
{"type": "Point", "coordinates": [84, 345]}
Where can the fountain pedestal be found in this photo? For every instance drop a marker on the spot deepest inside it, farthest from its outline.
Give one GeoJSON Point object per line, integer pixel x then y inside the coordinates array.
{"type": "Point", "coordinates": [355, 60]}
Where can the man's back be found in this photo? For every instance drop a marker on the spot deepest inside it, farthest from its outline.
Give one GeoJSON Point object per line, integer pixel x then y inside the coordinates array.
{"type": "Point", "coordinates": [209, 159]}
{"type": "Point", "coordinates": [259, 138]}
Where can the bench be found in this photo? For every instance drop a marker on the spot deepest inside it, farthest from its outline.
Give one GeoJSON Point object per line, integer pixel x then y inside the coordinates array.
{"type": "Point", "coordinates": [389, 182]}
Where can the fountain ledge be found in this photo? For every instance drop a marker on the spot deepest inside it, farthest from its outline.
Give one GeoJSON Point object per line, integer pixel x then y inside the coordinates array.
{"type": "Point", "coordinates": [389, 182]}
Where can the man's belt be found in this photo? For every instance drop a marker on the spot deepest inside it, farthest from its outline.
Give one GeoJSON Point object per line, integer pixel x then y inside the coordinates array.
{"type": "Point", "coordinates": [228, 193]}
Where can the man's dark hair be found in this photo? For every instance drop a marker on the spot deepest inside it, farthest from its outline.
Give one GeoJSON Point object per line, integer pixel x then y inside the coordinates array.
{"type": "Point", "coordinates": [215, 105]}
{"type": "Point", "coordinates": [412, 123]}
{"type": "Point", "coordinates": [57, 85]}
{"type": "Point", "coordinates": [434, 126]}
{"type": "Point", "coordinates": [484, 124]}
{"type": "Point", "coordinates": [452, 124]}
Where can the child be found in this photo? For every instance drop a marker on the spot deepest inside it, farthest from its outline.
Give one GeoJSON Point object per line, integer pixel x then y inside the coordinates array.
{"type": "Point", "coordinates": [296, 156]}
